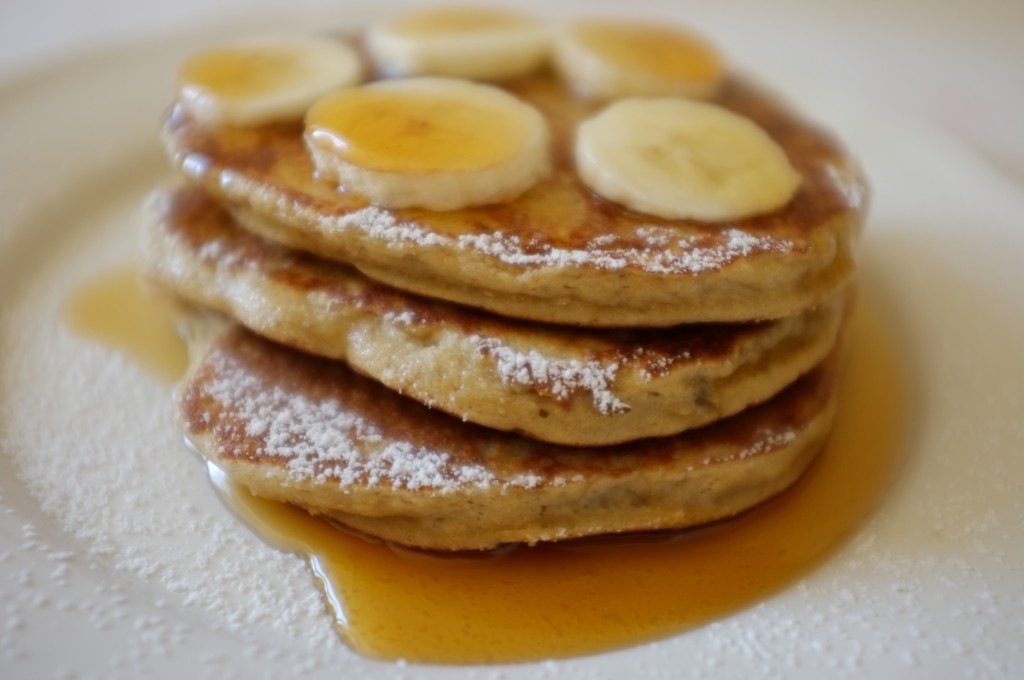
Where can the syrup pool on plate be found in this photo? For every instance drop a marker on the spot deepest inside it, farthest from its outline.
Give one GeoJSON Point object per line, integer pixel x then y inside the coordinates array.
{"type": "Point", "coordinates": [115, 309]}
{"type": "Point", "coordinates": [525, 603]}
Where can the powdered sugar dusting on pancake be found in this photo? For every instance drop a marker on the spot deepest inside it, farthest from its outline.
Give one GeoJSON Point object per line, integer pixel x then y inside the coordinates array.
{"type": "Point", "coordinates": [660, 250]}
{"type": "Point", "coordinates": [319, 438]}
{"type": "Point", "coordinates": [560, 378]}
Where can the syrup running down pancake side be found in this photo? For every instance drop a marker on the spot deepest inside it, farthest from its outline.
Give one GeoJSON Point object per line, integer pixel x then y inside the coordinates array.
{"type": "Point", "coordinates": [579, 597]}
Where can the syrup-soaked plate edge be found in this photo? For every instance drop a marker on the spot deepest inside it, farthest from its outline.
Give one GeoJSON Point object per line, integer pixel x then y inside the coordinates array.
{"type": "Point", "coordinates": [930, 586]}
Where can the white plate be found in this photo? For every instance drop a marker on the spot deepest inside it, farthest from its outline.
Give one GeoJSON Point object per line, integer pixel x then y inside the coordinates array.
{"type": "Point", "coordinates": [122, 563]}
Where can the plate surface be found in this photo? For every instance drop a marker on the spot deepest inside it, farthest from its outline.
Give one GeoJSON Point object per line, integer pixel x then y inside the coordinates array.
{"type": "Point", "coordinates": [117, 559]}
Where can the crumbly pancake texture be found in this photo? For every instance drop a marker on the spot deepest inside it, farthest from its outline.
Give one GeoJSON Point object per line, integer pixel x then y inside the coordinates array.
{"type": "Point", "coordinates": [308, 431]}
{"type": "Point", "coordinates": [556, 253]}
{"type": "Point", "coordinates": [562, 385]}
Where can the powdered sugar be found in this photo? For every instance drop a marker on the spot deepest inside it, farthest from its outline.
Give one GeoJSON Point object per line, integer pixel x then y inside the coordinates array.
{"type": "Point", "coordinates": [381, 224]}
{"type": "Point", "coordinates": [692, 254]}
{"type": "Point", "coordinates": [403, 318]}
{"type": "Point", "coordinates": [768, 440]}
{"type": "Point", "coordinates": [662, 250]}
{"type": "Point", "coordinates": [763, 441]}
{"type": "Point", "coordinates": [661, 255]}
{"type": "Point", "coordinates": [559, 378]}
{"type": "Point", "coordinates": [655, 364]}
{"type": "Point", "coordinates": [320, 439]}
{"type": "Point", "coordinates": [218, 253]}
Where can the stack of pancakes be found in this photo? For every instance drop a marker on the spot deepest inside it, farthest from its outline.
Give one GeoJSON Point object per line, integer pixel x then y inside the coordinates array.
{"type": "Point", "coordinates": [551, 367]}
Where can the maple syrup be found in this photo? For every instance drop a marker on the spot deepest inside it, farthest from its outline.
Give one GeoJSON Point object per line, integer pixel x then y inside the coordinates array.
{"type": "Point", "coordinates": [584, 596]}
{"type": "Point", "coordinates": [444, 22]}
{"type": "Point", "coordinates": [416, 129]}
{"type": "Point", "coordinates": [660, 51]}
{"type": "Point", "coordinates": [118, 311]}
{"type": "Point", "coordinates": [240, 72]}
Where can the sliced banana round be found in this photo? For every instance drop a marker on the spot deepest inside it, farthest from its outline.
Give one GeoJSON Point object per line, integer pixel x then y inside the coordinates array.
{"type": "Point", "coordinates": [683, 159]}
{"type": "Point", "coordinates": [266, 79]}
{"type": "Point", "coordinates": [465, 42]}
{"type": "Point", "coordinates": [610, 59]}
{"type": "Point", "coordinates": [428, 142]}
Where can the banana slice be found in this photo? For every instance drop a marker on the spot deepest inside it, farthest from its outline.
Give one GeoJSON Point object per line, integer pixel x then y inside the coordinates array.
{"type": "Point", "coordinates": [679, 158]}
{"type": "Point", "coordinates": [607, 60]}
{"type": "Point", "coordinates": [464, 42]}
{"type": "Point", "coordinates": [429, 142]}
{"type": "Point", "coordinates": [264, 79]}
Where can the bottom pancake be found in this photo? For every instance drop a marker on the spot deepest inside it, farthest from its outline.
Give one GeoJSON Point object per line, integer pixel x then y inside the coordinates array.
{"type": "Point", "coordinates": [308, 431]}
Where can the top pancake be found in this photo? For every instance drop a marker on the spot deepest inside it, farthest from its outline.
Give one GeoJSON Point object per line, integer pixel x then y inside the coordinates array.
{"type": "Point", "coordinates": [557, 253]}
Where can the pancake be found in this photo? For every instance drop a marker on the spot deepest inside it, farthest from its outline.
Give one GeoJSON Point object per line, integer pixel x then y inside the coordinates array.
{"type": "Point", "coordinates": [556, 253]}
{"type": "Point", "coordinates": [562, 385]}
{"type": "Point", "coordinates": [308, 431]}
